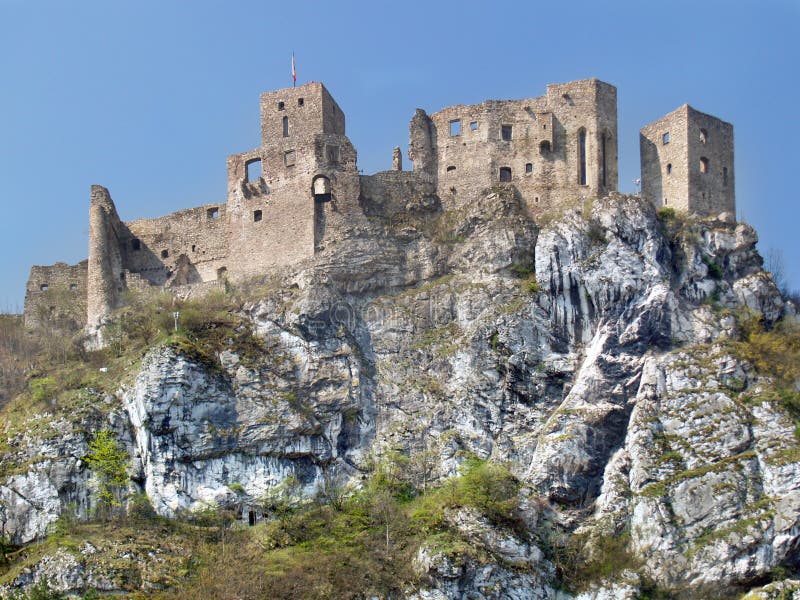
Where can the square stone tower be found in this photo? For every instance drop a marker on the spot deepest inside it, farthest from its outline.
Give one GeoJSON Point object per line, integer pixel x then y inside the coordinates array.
{"type": "Point", "coordinates": [281, 194]}
{"type": "Point", "coordinates": [687, 163]}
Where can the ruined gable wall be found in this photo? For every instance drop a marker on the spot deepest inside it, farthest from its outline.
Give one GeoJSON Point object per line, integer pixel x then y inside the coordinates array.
{"type": "Point", "coordinates": [104, 284]}
{"type": "Point", "coordinates": [544, 135]}
{"type": "Point", "coordinates": [56, 295]}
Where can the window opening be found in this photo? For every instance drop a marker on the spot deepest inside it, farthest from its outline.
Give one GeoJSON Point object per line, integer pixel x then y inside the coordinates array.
{"type": "Point", "coordinates": [451, 169]}
{"type": "Point", "coordinates": [505, 133]}
{"type": "Point", "coordinates": [300, 102]}
{"type": "Point", "coordinates": [669, 168]}
{"type": "Point", "coordinates": [725, 176]}
{"type": "Point", "coordinates": [165, 254]}
{"type": "Point", "coordinates": [285, 126]}
{"type": "Point", "coordinates": [257, 215]}
{"type": "Point", "coordinates": [213, 213]}
{"type": "Point", "coordinates": [703, 164]}
{"type": "Point", "coordinates": [136, 245]}
{"type": "Point", "coordinates": [281, 106]}
{"type": "Point", "coordinates": [582, 157]}
{"type": "Point", "coordinates": [193, 247]}
{"type": "Point", "coordinates": [73, 286]}
{"type": "Point", "coordinates": [251, 516]}
{"type": "Point", "coordinates": [455, 127]}
{"type": "Point", "coordinates": [473, 126]}
{"type": "Point", "coordinates": [44, 287]}
{"type": "Point", "coordinates": [505, 174]}
{"type": "Point", "coordinates": [603, 157]}
{"type": "Point", "coordinates": [665, 138]}
{"type": "Point", "coordinates": [321, 188]}
{"type": "Point", "coordinates": [252, 170]}
{"type": "Point", "coordinates": [529, 167]}
{"type": "Point", "coordinates": [703, 135]}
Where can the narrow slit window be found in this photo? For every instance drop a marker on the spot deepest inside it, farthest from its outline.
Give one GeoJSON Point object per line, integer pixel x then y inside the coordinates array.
{"type": "Point", "coordinates": [582, 157]}
{"type": "Point", "coordinates": [703, 164]}
{"type": "Point", "coordinates": [505, 174]}
{"type": "Point", "coordinates": [455, 127]}
{"type": "Point", "coordinates": [603, 158]}
{"type": "Point", "coordinates": [257, 216]}
{"type": "Point", "coordinates": [285, 126]}
{"type": "Point", "coordinates": [505, 133]}
{"type": "Point", "coordinates": [725, 176]}
{"type": "Point", "coordinates": [669, 168]}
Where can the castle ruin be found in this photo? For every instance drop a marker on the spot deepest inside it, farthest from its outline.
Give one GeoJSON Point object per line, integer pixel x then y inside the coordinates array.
{"type": "Point", "coordinates": [286, 197]}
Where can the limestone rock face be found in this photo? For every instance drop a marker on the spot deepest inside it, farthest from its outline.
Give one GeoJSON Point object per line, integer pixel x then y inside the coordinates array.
{"type": "Point", "coordinates": [589, 352]}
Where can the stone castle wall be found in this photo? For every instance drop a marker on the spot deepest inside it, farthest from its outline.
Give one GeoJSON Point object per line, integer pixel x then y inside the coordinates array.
{"type": "Point", "coordinates": [300, 190]}
{"type": "Point", "coordinates": [553, 148]}
{"type": "Point", "coordinates": [56, 295]}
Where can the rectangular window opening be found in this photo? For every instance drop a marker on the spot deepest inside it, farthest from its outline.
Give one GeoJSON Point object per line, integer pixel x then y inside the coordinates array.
{"type": "Point", "coordinates": [473, 126]}
{"type": "Point", "coordinates": [665, 138]}
{"type": "Point", "coordinates": [505, 174]}
{"type": "Point", "coordinates": [252, 170]}
{"type": "Point", "coordinates": [212, 213]}
{"type": "Point", "coordinates": [455, 127]}
{"type": "Point", "coordinates": [505, 133]}
{"type": "Point", "coordinates": [529, 167]}
{"type": "Point", "coordinates": [285, 126]}
{"type": "Point", "coordinates": [257, 216]}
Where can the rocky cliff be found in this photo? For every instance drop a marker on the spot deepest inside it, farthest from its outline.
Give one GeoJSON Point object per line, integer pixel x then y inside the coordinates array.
{"type": "Point", "coordinates": [601, 354]}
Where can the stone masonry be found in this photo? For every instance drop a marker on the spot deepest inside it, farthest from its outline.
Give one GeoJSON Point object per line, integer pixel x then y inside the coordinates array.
{"type": "Point", "coordinates": [687, 163]}
{"type": "Point", "coordinates": [301, 186]}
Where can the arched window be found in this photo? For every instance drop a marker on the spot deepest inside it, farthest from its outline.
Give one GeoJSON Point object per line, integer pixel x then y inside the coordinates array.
{"type": "Point", "coordinates": [669, 168]}
{"type": "Point", "coordinates": [582, 156]}
{"type": "Point", "coordinates": [703, 164]}
{"type": "Point", "coordinates": [321, 188]}
{"type": "Point", "coordinates": [703, 136]}
{"type": "Point", "coordinates": [451, 170]}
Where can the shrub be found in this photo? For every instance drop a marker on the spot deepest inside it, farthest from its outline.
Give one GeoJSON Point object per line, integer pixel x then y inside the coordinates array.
{"type": "Point", "coordinates": [523, 270]}
{"type": "Point", "coordinates": [666, 214]}
{"type": "Point", "coordinates": [109, 462]}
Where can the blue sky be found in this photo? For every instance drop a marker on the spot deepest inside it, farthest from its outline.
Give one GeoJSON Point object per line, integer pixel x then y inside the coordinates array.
{"type": "Point", "coordinates": [148, 98]}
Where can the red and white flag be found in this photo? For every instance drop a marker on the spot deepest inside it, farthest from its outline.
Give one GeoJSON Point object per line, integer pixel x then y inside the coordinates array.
{"type": "Point", "coordinates": [294, 73]}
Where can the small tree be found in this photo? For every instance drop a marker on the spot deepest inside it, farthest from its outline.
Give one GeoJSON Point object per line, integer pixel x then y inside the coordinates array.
{"type": "Point", "coordinates": [109, 462]}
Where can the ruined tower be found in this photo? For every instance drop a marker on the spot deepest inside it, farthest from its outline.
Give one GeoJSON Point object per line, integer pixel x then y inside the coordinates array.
{"type": "Point", "coordinates": [282, 195]}
{"type": "Point", "coordinates": [687, 163]}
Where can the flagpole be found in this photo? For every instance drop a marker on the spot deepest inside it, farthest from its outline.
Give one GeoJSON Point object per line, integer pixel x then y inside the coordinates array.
{"type": "Point", "coordinates": [294, 73]}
